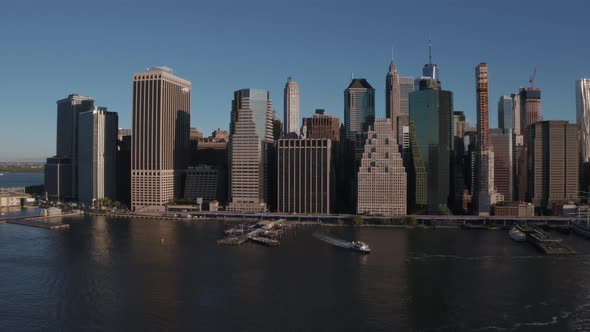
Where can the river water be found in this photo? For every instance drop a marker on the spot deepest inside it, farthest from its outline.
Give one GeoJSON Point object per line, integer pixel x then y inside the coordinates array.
{"type": "Point", "coordinates": [107, 274]}
{"type": "Point", "coordinates": [21, 179]}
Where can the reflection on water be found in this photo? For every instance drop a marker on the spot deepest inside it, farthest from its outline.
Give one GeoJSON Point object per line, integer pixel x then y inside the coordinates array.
{"type": "Point", "coordinates": [117, 274]}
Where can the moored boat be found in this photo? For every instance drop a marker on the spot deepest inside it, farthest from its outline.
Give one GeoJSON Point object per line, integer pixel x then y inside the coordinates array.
{"type": "Point", "coordinates": [517, 235]}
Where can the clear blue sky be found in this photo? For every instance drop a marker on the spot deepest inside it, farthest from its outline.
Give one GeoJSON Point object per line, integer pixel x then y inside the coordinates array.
{"type": "Point", "coordinates": [50, 49]}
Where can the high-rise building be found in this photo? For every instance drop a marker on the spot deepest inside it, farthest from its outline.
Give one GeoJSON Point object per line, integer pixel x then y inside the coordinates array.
{"type": "Point", "coordinates": [406, 86]}
{"type": "Point", "coordinates": [501, 142]}
{"type": "Point", "coordinates": [431, 142]}
{"type": "Point", "coordinates": [97, 155]}
{"type": "Point", "coordinates": [430, 69]}
{"type": "Point", "coordinates": [483, 189]}
{"type": "Point", "coordinates": [251, 139]}
{"type": "Point", "coordinates": [58, 178]}
{"type": "Point", "coordinates": [304, 175]}
{"type": "Point", "coordinates": [68, 113]}
{"type": "Point", "coordinates": [392, 94]}
{"type": "Point", "coordinates": [202, 182]}
{"type": "Point", "coordinates": [160, 139]}
{"type": "Point", "coordinates": [382, 176]}
{"type": "Point", "coordinates": [517, 115]}
{"type": "Point", "coordinates": [291, 101]}
{"type": "Point", "coordinates": [505, 113]}
{"type": "Point", "coordinates": [359, 108]}
{"type": "Point", "coordinates": [583, 116]}
{"type": "Point", "coordinates": [124, 167]}
{"type": "Point", "coordinates": [530, 108]}
{"type": "Point", "coordinates": [322, 125]}
{"type": "Point", "coordinates": [553, 163]}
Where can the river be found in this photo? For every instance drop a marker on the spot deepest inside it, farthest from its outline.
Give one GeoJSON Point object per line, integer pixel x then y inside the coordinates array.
{"type": "Point", "coordinates": [21, 179]}
{"type": "Point", "coordinates": [106, 274]}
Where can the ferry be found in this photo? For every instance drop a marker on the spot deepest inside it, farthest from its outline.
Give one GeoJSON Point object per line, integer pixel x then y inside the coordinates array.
{"type": "Point", "coordinates": [517, 235]}
{"type": "Point", "coordinates": [360, 246]}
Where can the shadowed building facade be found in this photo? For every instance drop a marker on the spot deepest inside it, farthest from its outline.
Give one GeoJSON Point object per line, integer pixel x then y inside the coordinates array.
{"type": "Point", "coordinates": [68, 115]}
{"type": "Point", "coordinates": [304, 175]}
{"type": "Point", "coordinates": [553, 163]}
{"type": "Point", "coordinates": [431, 146]}
{"type": "Point", "coordinates": [160, 139]}
{"type": "Point", "coordinates": [322, 125]}
{"type": "Point", "coordinates": [359, 108]}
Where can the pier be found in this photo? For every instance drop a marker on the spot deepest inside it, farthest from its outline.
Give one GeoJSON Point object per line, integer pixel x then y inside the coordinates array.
{"type": "Point", "coordinates": [265, 233]}
{"type": "Point", "coordinates": [39, 221]}
{"type": "Point", "coordinates": [545, 242]}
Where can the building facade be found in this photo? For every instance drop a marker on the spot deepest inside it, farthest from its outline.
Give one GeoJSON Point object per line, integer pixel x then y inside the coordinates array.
{"type": "Point", "coordinates": [97, 156]}
{"type": "Point", "coordinates": [291, 104]}
{"type": "Point", "coordinates": [392, 93]}
{"type": "Point", "coordinates": [251, 138]}
{"type": "Point", "coordinates": [304, 176]}
{"type": "Point", "coordinates": [359, 108]}
{"type": "Point", "coordinates": [505, 113]}
{"type": "Point", "coordinates": [552, 163]}
{"type": "Point", "coordinates": [322, 125]}
{"type": "Point", "coordinates": [530, 108]}
{"type": "Point", "coordinates": [583, 116]}
{"type": "Point", "coordinates": [382, 179]}
{"type": "Point", "coordinates": [58, 179]}
{"type": "Point", "coordinates": [502, 144]}
{"type": "Point", "coordinates": [124, 168]}
{"type": "Point", "coordinates": [431, 144]}
{"type": "Point", "coordinates": [68, 114]}
{"type": "Point", "coordinates": [160, 138]}
{"type": "Point", "coordinates": [483, 187]}
{"type": "Point", "coordinates": [406, 86]}
{"type": "Point", "coordinates": [201, 182]}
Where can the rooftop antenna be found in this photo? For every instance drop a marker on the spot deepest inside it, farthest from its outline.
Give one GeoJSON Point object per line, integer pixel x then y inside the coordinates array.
{"type": "Point", "coordinates": [351, 76]}
{"type": "Point", "coordinates": [392, 53]}
{"type": "Point", "coordinates": [289, 79]}
{"type": "Point", "coordinates": [429, 50]}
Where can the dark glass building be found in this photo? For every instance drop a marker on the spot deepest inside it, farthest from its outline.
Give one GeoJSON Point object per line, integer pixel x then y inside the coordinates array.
{"type": "Point", "coordinates": [431, 141]}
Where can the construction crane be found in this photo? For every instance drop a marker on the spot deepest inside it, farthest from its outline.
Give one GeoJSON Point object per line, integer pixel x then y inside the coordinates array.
{"type": "Point", "coordinates": [532, 78]}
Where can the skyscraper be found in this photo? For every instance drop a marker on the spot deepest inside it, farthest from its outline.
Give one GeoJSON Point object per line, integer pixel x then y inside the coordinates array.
{"type": "Point", "coordinates": [530, 108]}
{"type": "Point", "coordinates": [501, 142]}
{"type": "Point", "coordinates": [583, 116]}
{"type": "Point", "coordinates": [160, 138]}
{"type": "Point", "coordinates": [430, 69]}
{"type": "Point", "coordinates": [291, 101]}
{"type": "Point", "coordinates": [250, 142]}
{"type": "Point", "coordinates": [304, 175]}
{"type": "Point", "coordinates": [359, 107]}
{"type": "Point", "coordinates": [68, 114]}
{"type": "Point", "coordinates": [406, 86]}
{"type": "Point", "coordinates": [517, 115]}
{"type": "Point", "coordinates": [392, 94]}
{"type": "Point", "coordinates": [483, 188]}
{"type": "Point", "coordinates": [431, 144]}
{"type": "Point", "coordinates": [553, 163]}
{"type": "Point", "coordinates": [382, 176]}
{"type": "Point", "coordinates": [506, 113]}
{"type": "Point", "coordinates": [97, 156]}
{"type": "Point", "coordinates": [322, 125]}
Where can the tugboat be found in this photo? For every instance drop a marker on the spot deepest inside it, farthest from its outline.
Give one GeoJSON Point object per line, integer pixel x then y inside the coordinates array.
{"type": "Point", "coordinates": [360, 246]}
{"type": "Point", "coordinates": [517, 235]}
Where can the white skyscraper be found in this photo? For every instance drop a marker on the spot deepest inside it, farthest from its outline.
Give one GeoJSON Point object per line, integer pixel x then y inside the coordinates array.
{"type": "Point", "coordinates": [291, 118]}
{"type": "Point", "coordinates": [583, 116]}
{"type": "Point", "coordinates": [97, 155]}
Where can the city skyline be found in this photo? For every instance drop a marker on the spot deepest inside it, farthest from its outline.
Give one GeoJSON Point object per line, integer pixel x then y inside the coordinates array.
{"type": "Point", "coordinates": [321, 75]}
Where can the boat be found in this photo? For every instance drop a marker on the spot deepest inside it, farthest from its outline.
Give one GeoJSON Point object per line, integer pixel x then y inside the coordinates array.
{"type": "Point", "coordinates": [581, 228]}
{"type": "Point", "coordinates": [360, 246]}
{"type": "Point", "coordinates": [1, 174]}
{"type": "Point", "coordinates": [517, 235]}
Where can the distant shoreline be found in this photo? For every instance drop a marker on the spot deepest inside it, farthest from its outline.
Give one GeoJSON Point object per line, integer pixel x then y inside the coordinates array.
{"type": "Point", "coordinates": [25, 170]}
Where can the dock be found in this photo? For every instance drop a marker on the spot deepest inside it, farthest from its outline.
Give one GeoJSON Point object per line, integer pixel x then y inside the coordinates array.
{"type": "Point", "coordinates": [39, 221]}
{"type": "Point", "coordinates": [265, 233]}
{"type": "Point", "coordinates": [545, 242]}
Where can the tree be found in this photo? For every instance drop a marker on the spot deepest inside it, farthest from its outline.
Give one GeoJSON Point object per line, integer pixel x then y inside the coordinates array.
{"type": "Point", "coordinates": [411, 220]}
{"type": "Point", "coordinates": [358, 220]}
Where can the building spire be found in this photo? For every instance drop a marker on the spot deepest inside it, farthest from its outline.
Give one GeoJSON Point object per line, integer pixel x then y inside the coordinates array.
{"type": "Point", "coordinates": [392, 54]}
{"type": "Point", "coordinates": [429, 50]}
